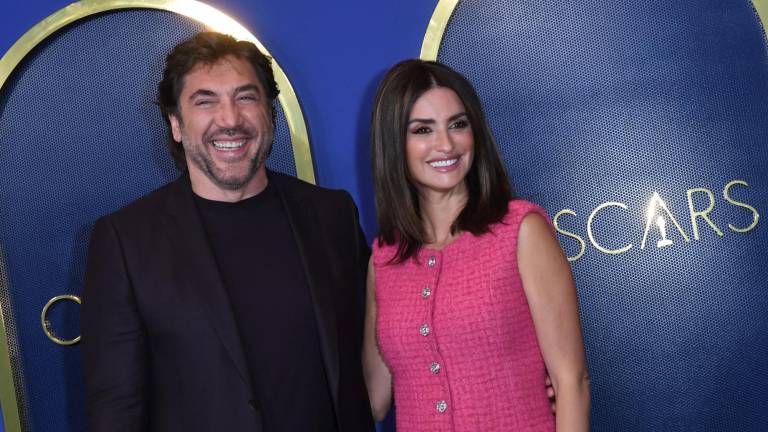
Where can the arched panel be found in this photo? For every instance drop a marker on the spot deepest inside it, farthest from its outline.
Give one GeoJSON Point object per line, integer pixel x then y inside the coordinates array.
{"type": "Point", "coordinates": [81, 136]}
{"type": "Point", "coordinates": [641, 127]}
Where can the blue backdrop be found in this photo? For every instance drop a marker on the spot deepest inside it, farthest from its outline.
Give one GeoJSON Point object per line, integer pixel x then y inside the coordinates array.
{"type": "Point", "coordinates": [334, 76]}
{"type": "Point", "coordinates": [596, 106]}
{"type": "Point", "coordinates": [596, 102]}
{"type": "Point", "coordinates": [333, 54]}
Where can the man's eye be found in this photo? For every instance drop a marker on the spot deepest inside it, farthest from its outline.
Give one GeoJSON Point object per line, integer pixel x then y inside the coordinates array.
{"type": "Point", "coordinates": [203, 102]}
{"type": "Point", "coordinates": [248, 98]}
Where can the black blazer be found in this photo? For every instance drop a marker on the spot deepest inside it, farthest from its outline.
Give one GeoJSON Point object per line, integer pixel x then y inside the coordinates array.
{"type": "Point", "coordinates": [161, 351]}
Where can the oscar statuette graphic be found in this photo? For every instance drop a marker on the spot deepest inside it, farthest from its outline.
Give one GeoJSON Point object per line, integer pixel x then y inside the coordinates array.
{"type": "Point", "coordinates": [664, 241]}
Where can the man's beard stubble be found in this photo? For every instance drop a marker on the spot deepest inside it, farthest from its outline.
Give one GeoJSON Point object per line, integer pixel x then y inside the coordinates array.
{"type": "Point", "coordinates": [204, 161]}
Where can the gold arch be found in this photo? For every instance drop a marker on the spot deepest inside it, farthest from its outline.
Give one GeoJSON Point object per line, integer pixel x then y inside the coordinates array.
{"type": "Point", "coordinates": [761, 6]}
{"type": "Point", "coordinates": [436, 28]}
{"type": "Point", "coordinates": [195, 10]}
{"type": "Point", "coordinates": [207, 15]}
{"type": "Point", "coordinates": [430, 47]}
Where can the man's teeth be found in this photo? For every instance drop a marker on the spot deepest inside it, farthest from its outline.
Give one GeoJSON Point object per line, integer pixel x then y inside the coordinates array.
{"type": "Point", "coordinates": [443, 163]}
{"type": "Point", "coordinates": [228, 145]}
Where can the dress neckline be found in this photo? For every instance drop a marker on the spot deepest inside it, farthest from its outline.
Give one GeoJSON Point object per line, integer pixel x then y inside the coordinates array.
{"type": "Point", "coordinates": [447, 245]}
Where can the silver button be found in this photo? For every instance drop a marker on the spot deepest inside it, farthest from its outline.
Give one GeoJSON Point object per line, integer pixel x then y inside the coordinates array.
{"type": "Point", "coordinates": [441, 406]}
{"type": "Point", "coordinates": [426, 292]}
{"type": "Point", "coordinates": [424, 330]}
{"type": "Point", "coordinates": [431, 261]}
{"type": "Point", "coordinates": [434, 367]}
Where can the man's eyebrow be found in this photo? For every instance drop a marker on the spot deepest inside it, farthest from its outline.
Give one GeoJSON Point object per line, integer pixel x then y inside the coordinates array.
{"type": "Point", "coordinates": [211, 93]}
{"type": "Point", "coordinates": [202, 93]}
{"type": "Point", "coordinates": [248, 87]}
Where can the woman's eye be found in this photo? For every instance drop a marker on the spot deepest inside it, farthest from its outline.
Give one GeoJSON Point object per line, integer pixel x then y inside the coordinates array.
{"type": "Point", "coordinates": [421, 130]}
{"type": "Point", "coordinates": [461, 124]}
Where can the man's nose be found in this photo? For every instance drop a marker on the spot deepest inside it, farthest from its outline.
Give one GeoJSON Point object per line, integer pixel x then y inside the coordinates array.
{"type": "Point", "coordinates": [228, 114]}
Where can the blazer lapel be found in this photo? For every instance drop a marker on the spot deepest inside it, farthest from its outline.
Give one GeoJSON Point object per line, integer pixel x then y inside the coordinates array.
{"type": "Point", "coordinates": [310, 243]}
{"type": "Point", "coordinates": [196, 262]}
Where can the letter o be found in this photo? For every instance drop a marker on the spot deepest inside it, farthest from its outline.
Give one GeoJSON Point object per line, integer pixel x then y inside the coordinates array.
{"type": "Point", "coordinates": [47, 324]}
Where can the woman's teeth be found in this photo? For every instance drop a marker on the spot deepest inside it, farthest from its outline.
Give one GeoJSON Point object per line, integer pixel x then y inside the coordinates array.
{"type": "Point", "coordinates": [443, 163]}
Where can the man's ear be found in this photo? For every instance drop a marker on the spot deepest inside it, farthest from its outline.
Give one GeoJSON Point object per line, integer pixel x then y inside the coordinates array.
{"type": "Point", "coordinates": [175, 127]}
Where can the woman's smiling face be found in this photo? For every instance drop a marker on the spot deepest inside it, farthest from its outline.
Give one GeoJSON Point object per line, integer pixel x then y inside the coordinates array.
{"type": "Point", "coordinates": [439, 142]}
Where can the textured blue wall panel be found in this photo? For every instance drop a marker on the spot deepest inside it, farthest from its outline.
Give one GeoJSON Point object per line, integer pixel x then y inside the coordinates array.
{"type": "Point", "coordinates": [80, 136]}
{"type": "Point", "coordinates": [592, 101]}
{"type": "Point", "coordinates": [596, 101]}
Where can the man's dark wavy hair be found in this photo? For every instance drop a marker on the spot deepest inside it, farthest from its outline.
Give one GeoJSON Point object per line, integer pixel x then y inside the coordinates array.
{"type": "Point", "coordinates": [206, 48]}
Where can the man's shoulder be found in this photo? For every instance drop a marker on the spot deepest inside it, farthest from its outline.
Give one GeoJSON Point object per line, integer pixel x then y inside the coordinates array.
{"type": "Point", "coordinates": [302, 190]}
{"type": "Point", "coordinates": [148, 206]}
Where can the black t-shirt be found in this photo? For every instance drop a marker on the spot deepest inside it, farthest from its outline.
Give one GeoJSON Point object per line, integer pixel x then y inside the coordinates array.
{"type": "Point", "coordinates": [260, 265]}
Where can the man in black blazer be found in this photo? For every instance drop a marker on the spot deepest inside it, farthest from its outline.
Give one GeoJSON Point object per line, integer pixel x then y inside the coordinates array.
{"type": "Point", "coordinates": [231, 299]}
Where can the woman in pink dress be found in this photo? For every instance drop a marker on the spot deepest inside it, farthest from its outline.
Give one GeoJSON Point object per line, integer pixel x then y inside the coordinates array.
{"type": "Point", "coordinates": [471, 302]}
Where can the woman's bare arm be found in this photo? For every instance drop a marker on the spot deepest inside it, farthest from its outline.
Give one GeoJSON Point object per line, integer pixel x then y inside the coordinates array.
{"type": "Point", "coordinates": [551, 295]}
{"type": "Point", "coordinates": [377, 376]}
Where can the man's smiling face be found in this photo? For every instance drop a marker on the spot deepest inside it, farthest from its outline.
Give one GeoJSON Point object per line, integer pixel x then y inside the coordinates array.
{"type": "Point", "coordinates": [224, 122]}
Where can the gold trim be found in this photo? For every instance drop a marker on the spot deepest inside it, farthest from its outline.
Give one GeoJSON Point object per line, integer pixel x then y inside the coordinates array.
{"type": "Point", "coordinates": [47, 324]}
{"type": "Point", "coordinates": [761, 6]}
{"type": "Point", "coordinates": [436, 28]}
{"type": "Point", "coordinates": [195, 10]}
{"type": "Point", "coordinates": [444, 10]}
{"type": "Point", "coordinates": [8, 402]}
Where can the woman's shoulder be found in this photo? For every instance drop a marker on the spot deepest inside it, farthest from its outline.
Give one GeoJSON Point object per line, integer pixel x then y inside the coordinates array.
{"type": "Point", "coordinates": [518, 209]}
{"type": "Point", "coordinates": [382, 253]}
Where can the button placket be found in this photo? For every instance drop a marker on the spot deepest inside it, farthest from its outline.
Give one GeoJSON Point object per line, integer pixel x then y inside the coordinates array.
{"type": "Point", "coordinates": [432, 267]}
{"type": "Point", "coordinates": [426, 292]}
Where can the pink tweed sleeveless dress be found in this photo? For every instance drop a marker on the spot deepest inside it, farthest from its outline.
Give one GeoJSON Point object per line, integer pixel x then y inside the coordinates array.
{"type": "Point", "coordinates": [455, 329]}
